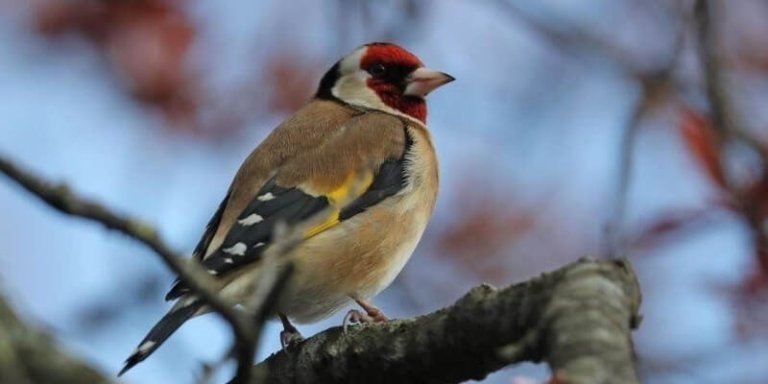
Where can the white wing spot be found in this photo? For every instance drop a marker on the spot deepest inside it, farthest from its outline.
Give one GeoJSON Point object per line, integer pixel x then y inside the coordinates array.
{"type": "Point", "coordinates": [212, 271]}
{"type": "Point", "coordinates": [266, 197]}
{"type": "Point", "coordinates": [259, 244]}
{"type": "Point", "coordinates": [237, 249]}
{"type": "Point", "coordinates": [250, 220]}
{"type": "Point", "coordinates": [145, 346]}
{"type": "Point", "coordinates": [229, 260]}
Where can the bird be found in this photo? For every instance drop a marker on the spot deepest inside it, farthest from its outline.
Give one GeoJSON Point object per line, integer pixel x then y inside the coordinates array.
{"type": "Point", "coordinates": [359, 153]}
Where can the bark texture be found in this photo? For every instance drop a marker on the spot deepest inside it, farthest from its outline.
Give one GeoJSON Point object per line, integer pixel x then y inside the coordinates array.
{"type": "Point", "coordinates": [578, 319]}
{"type": "Point", "coordinates": [28, 356]}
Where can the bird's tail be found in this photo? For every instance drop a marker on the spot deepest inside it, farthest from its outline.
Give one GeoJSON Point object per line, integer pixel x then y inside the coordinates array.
{"type": "Point", "coordinates": [164, 328]}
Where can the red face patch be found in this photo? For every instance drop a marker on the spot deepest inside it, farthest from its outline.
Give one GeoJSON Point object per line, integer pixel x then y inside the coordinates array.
{"type": "Point", "coordinates": [390, 86]}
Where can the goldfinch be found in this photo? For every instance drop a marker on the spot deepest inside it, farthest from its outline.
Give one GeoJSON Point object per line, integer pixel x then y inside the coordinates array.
{"type": "Point", "coordinates": [360, 150]}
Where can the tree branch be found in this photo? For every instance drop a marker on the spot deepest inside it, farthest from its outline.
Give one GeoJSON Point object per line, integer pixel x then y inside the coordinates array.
{"type": "Point", "coordinates": [61, 198]}
{"type": "Point", "coordinates": [577, 318]}
{"type": "Point", "coordinates": [246, 328]}
{"type": "Point", "coordinates": [29, 356]}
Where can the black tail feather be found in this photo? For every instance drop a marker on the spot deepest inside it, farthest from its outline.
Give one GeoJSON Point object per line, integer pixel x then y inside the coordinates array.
{"type": "Point", "coordinates": [160, 332]}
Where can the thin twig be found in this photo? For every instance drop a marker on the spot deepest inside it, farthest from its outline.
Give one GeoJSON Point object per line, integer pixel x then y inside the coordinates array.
{"type": "Point", "coordinates": [727, 125]}
{"type": "Point", "coordinates": [656, 87]}
{"type": "Point", "coordinates": [246, 352]}
{"type": "Point", "coordinates": [61, 198]}
{"type": "Point", "coordinates": [615, 242]}
{"type": "Point", "coordinates": [572, 39]}
{"type": "Point", "coordinates": [275, 275]}
{"type": "Point", "coordinates": [720, 109]}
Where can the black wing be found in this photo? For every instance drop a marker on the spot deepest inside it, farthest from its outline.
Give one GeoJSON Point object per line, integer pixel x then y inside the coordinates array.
{"type": "Point", "coordinates": [252, 231]}
{"type": "Point", "coordinates": [210, 229]}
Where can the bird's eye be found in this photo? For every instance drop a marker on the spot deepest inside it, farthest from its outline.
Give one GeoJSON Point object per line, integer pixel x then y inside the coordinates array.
{"type": "Point", "coordinates": [377, 69]}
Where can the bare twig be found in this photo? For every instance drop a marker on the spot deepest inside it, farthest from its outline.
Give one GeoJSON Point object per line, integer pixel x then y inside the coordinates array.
{"type": "Point", "coordinates": [572, 39]}
{"type": "Point", "coordinates": [61, 198]}
{"type": "Point", "coordinates": [656, 87]}
{"type": "Point", "coordinates": [615, 241]}
{"type": "Point", "coordinates": [244, 348]}
{"type": "Point", "coordinates": [727, 125]}
{"type": "Point", "coordinates": [726, 121]}
{"type": "Point", "coordinates": [720, 108]}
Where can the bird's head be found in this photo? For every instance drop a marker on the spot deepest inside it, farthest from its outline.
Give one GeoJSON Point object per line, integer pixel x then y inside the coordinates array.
{"type": "Point", "coordinates": [382, 76]}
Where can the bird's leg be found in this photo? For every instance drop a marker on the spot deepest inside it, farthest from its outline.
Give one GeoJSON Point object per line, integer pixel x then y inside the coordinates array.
{"type": "Point", "coordinates": [289, 335]}
{"type": "Point", "coordinates": [372, 314]}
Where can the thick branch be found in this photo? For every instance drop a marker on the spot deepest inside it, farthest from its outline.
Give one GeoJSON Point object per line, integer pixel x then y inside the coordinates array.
{"type": "Point", "coordinates": [29, 356]}
{"type": "Point", "coordinates": [578, 319]}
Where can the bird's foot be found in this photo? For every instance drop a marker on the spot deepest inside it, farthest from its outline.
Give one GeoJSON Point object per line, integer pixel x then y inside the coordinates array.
{"type": "Point", "coordinates": [289, 338]}
{"type": "Point", "coordinates": [376, 314]}
{"type": "Point", "coordinates": [354, 317]}
{"type": "Point", "coordinates": [373, 312]}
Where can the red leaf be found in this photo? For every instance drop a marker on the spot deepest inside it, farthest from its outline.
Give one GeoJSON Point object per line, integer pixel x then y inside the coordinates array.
{"type": "Point", "coordinates": [669, 224]}
{"type": "Point", "coordinates": [699, 137]}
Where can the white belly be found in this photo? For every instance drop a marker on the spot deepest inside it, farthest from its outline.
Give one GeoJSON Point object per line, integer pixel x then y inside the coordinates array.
{"type": "Point", "coordinates": [356, 259]}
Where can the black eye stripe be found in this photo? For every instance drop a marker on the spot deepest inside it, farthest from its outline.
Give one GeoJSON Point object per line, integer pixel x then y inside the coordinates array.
{"type": "Point", "coordinates": [392, 73]}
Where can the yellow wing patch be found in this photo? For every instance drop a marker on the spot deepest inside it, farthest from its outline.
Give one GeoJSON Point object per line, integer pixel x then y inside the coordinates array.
{"type": "Point", "coordinates": [348, 191]}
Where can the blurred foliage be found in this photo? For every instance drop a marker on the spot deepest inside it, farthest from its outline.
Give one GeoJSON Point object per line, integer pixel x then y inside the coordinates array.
{"type": "Point", "coordinates": [149, 47]}
{"type": "Point", "coordinates": [144, 42]}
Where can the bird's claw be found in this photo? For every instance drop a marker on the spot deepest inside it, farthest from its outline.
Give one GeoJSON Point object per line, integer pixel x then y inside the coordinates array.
{"type": "Point", "coordinates": [354, 317]}
{"type": "Point", "coordinates": [372, 315]}
{"type": "Point", "coordinates": [289, 338]}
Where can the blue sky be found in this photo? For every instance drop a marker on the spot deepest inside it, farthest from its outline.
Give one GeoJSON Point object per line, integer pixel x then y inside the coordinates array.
{"type": "Point", "coordinates": [524, 118]}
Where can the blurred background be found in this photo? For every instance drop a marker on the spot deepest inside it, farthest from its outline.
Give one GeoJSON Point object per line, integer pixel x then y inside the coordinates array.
{"type": "Point", "coordinates": [570, 131]}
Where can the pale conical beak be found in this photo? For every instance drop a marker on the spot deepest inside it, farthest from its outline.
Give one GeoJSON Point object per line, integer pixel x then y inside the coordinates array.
{"type": "Point", "coordinates": [424, 80]}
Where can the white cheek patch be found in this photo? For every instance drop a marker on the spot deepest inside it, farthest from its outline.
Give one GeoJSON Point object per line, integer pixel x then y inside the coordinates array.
{"type": "Point", "coordinates": [353, 89]}
{"type": "Point", "coordinates": [351, 86]}
{"type": "Point", "coordinates": [351, 63]}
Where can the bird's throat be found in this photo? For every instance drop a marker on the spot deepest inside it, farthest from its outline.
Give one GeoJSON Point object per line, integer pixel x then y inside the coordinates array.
{"type": "Point", "coordinates": [415, 107]}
